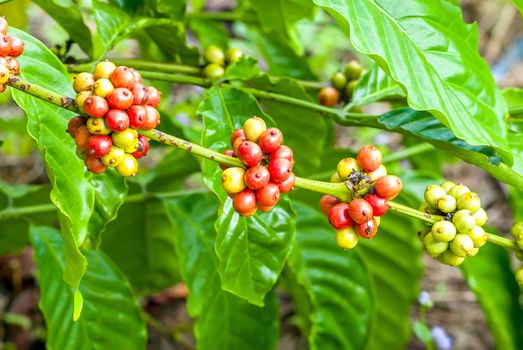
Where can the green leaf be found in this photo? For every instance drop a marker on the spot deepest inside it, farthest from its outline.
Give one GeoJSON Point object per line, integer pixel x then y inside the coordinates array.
{"type": "Point", "coordinates": [337, 283]}
{"type": "Point", "coordinates": [422, 332]}
{"type": "Point", "coordinates": [374, 86]}
{"type": "Point", "coordinates": [67, 14]}
{"type": "Point", "coordinates": [514, 99]}
{"type": "Point", "coordinates": [489, 276]}
{"type": "Point", "coordinates": [244, 69]}
{"type": "Point", "coordinates": [519, 5]}
{"type": "Point", "coordinates": [111, 317]}
{"type": "Point", "coordinates": [210, 32]}
{"type": "Point", "coordinates": [427, 48]}
{"type": "Point", "coordinates": [224, 321]}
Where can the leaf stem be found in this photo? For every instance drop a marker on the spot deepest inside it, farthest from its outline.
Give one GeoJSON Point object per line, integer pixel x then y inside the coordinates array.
{"type": "Point", "coordinates": [403, 209]}
{"type": "Point", "coordinates": [408, 152]}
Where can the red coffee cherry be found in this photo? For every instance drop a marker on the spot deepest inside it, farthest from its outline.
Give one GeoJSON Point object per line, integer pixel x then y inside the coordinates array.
{"type": "Point", "coordinates": [360, 210]}
{"type": "Point", "coordinates": [229, 153]}
{"type": "Point", "coordinates": [117, 120]}
{"type": "Point", "coordinates": [238, 133]}
{"type": "Point", "coordinates": [137, 76]}
{"type": "Point", "coordinates": [369, 158]}
{"type": "Point", "coordinates": [280, 169]}
{"type": "Point", "coordinates": [388, 186]}
{"type": "Point", "coordinates": [339, 216]}
{"type": "Point", "coordinates": [13, 65]}
{"type": "Point", "coordinates": [257, 177]}
{"type": "Point", "coordinates": [270, 140]}
{"type": "Point", "coordinates": [5, 46]}
{"type": "Point", "coordinates": [379, 204]}
{"type": "Point", "coordinates": [74, 124]}
{"type": "Point", "coordinates": [327, 202]}
{"type": "Point", "coordinates": [367, 229]}
{"type": "Point", "coordinates": [3, 88]}
{"type": "Point", "coordinates": [264, 208]}
{"type": "Point", "coordinates": [244, 202]}
{"type": "Point", "coordinates": [153, 97]}
{"type": "Point", "coordinates": [139, 94]}
{"type": "Point", "coordinates": [3, 26]}
{"type": "Point", "coordinates": [95, 106]}
{"type": "Point", "coordinates": [143, 147]}
{"type": "Point", "coordinates": [269, 195]}
{"type": "Point", "coordinates": [328, 96]}
{"type": "Point", "coordinates": [17, 46]}
{"type": "Point", "coordinates": [95, 165]}
{"type": "Point", "coordinates": [99, 145]}
{"type": "Point", "coordinates": [236, 145]}
{"type": "Point", "coordinates": [249, 153]}
{"type": "Point", "coordinates": [81, 136]}
{"type": "Point", "coordinates": [123, 77]}
{"type": "Point", "coordinates": [136, 116]}
{"type": "Point", "coordinates": [120, 98]}
{"type": "Point", "coordinates": [287, 185]}
{"type": "Point", "coordinates": [152, 118]}
{"type": "Point", "coordinates": [283, 152]}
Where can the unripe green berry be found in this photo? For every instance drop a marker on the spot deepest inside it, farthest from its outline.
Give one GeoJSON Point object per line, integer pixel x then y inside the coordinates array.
{"type": "Point", "coordinates": [519, 277]}
{"type": "Point", "coordinates": [443, 231]}
{"type": "Point", "coordinates": [233, 180]}
{"type": "Point", "coordinates": [447, 185]}
{"type": "Point", "coordinates": [350, 87]}
{"type": "Point", "coordinates": [432, 194]}
{"type": "Point", "coordinates": [458, 190]}
{"type": "Point", "coordinates": [474, 252]}
{"type": "Point", "coordinates": [478, 235]}
{"type": "Point", "coordinates": [213, 71]}
{"type": "Point", "coordinates": [213, 54]}
{"type": "Point", "coordinates": [519, 241]}
{"type": "Point", "coordinates": [346, 166]}
{"type": "Point", "coordinates": [517, 229]}
{"type": "Point", "coordinates": [434, 248]}
{"type": "Point", "coordinates": [422, 232]}
{"type": "Point", "coordinates": [464, 220]}
{"type": "Point", "coordinates": [469, 201]}
{"type": "Point", "coordinates": [481, 217]}
{"type": "Point", "coordinates": [447, 204]}
{"type": "Point", "coordinates": [339, 80]}
{"type": "Point", "coordinates": [353, 70]}
{"type": "Point", "coordinates": [462, 245]}
{"type": "Point", "coordinates": [125, 138]}
{"type": "Point", "coordinates": [347, 238]}
{"type": "Point", "coordinates": [449, 258]}
{"type": "Point", "coordinates": [518, 255]}
{"type": "Point", "coordinates": [233, 55]}
{"type": "Point", "coordinates": [425, 208]}
{"type": "Point", "coordinates": [335, 178]}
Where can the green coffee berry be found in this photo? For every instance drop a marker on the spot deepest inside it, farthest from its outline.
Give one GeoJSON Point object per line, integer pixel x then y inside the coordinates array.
{"type": "Point", "coordinates": [447, 185]}
{"type": "Point", "coordinates": [233, 55]}
{"type": "Point", "coordinates": [339, 80]}
{"type": "Point", "coordinates": [517, 229]}
{"type": "Point", "coordinates": [353, 70]}
{"type": "Point", "coordinates": [432, 194]}
{"type": "Point", "coordinates": [335, 177]}
{"type": "Point", "coordinates": [213, 54]}
{"type": "Point", "coordinates": [350, 87]}
{"type": "Point", "coordinates": [449, 258]}
{"type": "Point", "coordinates": [519, 240]}
{"type": "Point", "coordinates": [424, 207]}
{"type": "Point", "coordinates": [519, 277]}
{"type": "Point", "coordinates": [447, 204]}
{"type": "Point", "coordinates": [469, 201]}
{"type": "Point", "coordinates": [458, 190]}
{"type": "Point", "coordinates": [422, 232]}
{"type": "Point", "coordinates": [443, 231]}
{"type": "Point", "coordinates": [478, 235]}
{"type": "Point", "coordinates": [464, 220]}
{"type": "Point", "coordinates": [518, 255]}
{"type": "Point", "coordinates": [434, 248]}
{"type": "Point", "coordinates": [474, 252]}
{"type": "Point", "coordinates": [213, 71]}
{"type": "Point", "coordinates": [481, 217]}
{"type": "Point", "coordinates": [461, 245]}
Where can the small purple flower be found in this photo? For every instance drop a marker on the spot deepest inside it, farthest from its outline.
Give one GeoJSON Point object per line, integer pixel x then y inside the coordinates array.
{"type": "Point", "coordinates": [424, 299]}
{"type": "Point", "coordinates": [442, 340]}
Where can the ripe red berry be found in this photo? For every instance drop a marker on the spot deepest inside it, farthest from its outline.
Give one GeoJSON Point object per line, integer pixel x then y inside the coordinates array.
{"type": "Point", "coordinates": [327, 202]}
{"type": "Point", "coordinates": [95, 165]}
{"type": "Point", "coordinates": [152, 118]}
{"type": "Point", "coordinates": [269, 195]}
{"type": "Point", "coordinates": [3, 26]}
{"type": "Point", "coordinates": [5, 46]}
{"type": "Point", "coordinates": [369, 158]}
{"type": "Point", "coordinates": [229, 153]}
{"type": "Point", "coordinates": [99, 145]}
{"type": "Point", "coordinates": [244, 202]}
{"type": "Point", "coordinates": [339, 216]}
{"type": "Point", "coordinates": [257, 177]}
{"type": "Point", "coordinates": [123, 77]}
{"type": "Point", "coordinates": [249, 153]}
{"type": "Point", "coordinates": [280, 169]}
{"type": "Point", "coordinates": [17, 46]}
{"type": "Point", "coordinates": [137, 76]}
{"type": "Point", "coordinates": [388, 186]}
{"type": "Point", "coordinates": [81, 136]}
{"type": "Point", "coordinates": [270, 140]}
{"type": "Point", "coordinates": [95, 106]}
{"type": "Point", "coordinates": [136, 116]}
{"type": "Point", "coordinates": [117, 120]}
{"type": "Point", "coordinates": [143, 147]}
{"type": "Point", "coordinates": [236, 145]}
{"type": "Point", "coordinates": [120, 98]}
{"type": "Point", "coordinates": [368, 229]}
{"type": "Point", "coordinates": [74, 124]}
{"type": "Point", "coordinates": [238, 133]}
{"type": "Point", "coordinates": [13, 65]}
{"type": "Point", "coordinates": [360, 211]}
{"type": "Point", "coordinates": [287, 185]}
{"type": "Point", "coordinates": [264, 208]}
{"type": "Point", "coordinates": [283, 152]}
{"type": "Point", "coordinates": [153, 97]}
{"type": "Point", "coordinates": [379, 204]}
{"type": "Point", "coordinates": [139, 94]}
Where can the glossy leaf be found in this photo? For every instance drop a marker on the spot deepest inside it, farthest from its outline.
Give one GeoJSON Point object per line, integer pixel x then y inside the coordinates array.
{"type": "Point", "coordinates": [490, 277]}
{"type": "Point", "coordinates": [337, 282]}
{"type": "Point", "coordinates": [427, 48]}
{"type": "Point", "coordinates": [111, 316]}
{"type": "Point", "coordinates": [514, 99]}
{"type": "Point", "coordinates": [239, 324]}
{"type": "Point", "coordinates": [210, 33]}
{"type": "Point", "coordinates": [375, 85]}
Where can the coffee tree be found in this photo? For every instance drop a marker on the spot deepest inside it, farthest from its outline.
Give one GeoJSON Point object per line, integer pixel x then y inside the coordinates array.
{"type": "Point", "coordinates": [244, 194]}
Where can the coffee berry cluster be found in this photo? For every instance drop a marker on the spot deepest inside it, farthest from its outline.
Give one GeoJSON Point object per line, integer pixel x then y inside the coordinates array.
{"type": "Point", "coordinates": [372, 189]}
{"type": "Point", "coordinates": [216, 60]}
{"type": "Point", "coordinates": [267, 172]}
{"type": "Point", "coordinates": [10, 48]}
{"type": "Point", "coordinates": [118, 104]}
{"type": "Point", "coordinates": [517, 234]}
{"type": "Point", "coordinates": [460, 233]}
{"type": "Point", "coordinates": [342, 85]}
